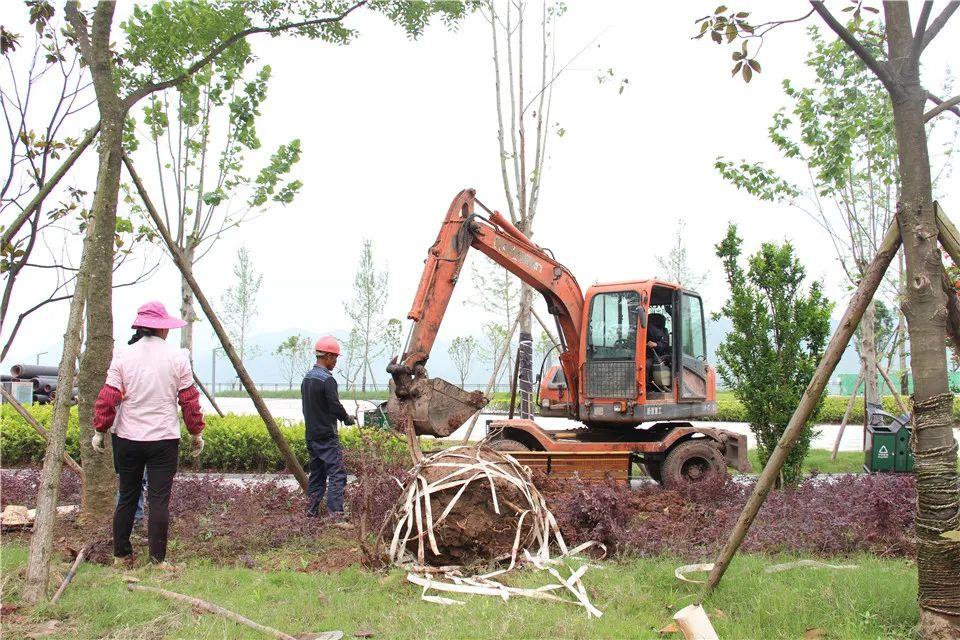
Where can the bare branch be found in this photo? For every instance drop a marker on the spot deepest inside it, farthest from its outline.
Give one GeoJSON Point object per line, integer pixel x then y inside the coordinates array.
{"type": "Point", "coordinates": [942, 105]}
{"type": "Point", "coordinates": [14, 227]}
{"type": "Point", "coordinates": [880, 69]}
{"type": "Point", "coordinates": [919, 33]}
{"type": "Point", "coordinates": [939, 22]}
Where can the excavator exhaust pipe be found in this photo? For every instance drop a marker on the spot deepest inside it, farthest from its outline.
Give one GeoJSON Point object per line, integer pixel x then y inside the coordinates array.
{"type": "Point", "coordinates": [436, 407]}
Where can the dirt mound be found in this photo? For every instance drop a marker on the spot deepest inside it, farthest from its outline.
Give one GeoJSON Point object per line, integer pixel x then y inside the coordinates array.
{"type": "Point", "coordinates": [464, 506]}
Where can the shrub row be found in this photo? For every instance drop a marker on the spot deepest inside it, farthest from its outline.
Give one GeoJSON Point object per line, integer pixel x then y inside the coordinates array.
{"type": "Point", "coordinates": [233, 443]}
{"type": "Point", "coordinates": [729, 409]}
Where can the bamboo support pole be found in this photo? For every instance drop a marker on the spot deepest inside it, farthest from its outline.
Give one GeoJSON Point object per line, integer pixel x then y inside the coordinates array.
{"type": "Point", "coordinates": [206, 392]}
{"type": "Point", "coordinates": [871, 280]}
{"type": "Point", "coordinates": [896, 394]}
{"type": "Point", "coordinates": [288, 456]}
{"type": "Point", "coordinates": [493, 378]}
{"type": "Point", "coordinates": [846, 415]}
{"type": "Point", "coordinates": [66, 580]}
{"type": "Point", "coordinates": [19, 408]}
{"type": "Point", "coordinates": [546, 329]}
{"type": "Point", "coordinates": [949, 238]}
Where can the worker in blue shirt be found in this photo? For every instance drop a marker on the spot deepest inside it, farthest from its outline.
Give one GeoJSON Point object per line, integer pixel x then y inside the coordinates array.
{"type": "Point", "coordinates": [321, 411]}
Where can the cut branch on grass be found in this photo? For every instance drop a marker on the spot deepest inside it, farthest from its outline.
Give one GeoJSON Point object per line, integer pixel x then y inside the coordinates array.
{"type": "Point", "coordinates": [229, 615]}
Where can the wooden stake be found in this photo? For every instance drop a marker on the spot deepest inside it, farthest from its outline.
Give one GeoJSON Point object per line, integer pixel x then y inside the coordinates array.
{"type": "Point", "coordinates": [949, 238]}
{"type": "Point", "coordinates": [226, 613]}
{"type": "Point", "coordinates": [493, 378]}
{"type": "Point", "coordinates": [203, 388]}
{"type": "Point", "coordinates": [69, 576]}
{"type": "Point", "coordinates": [19, 408]}
{"type": "Point", "coordinates": [896, 395]}
{"type": "Point", "coordinates": [811, 397]}
{"type": "Point", "coordinates": [846, 414]}
{"type": "Point", "coordinates": [288, 456]}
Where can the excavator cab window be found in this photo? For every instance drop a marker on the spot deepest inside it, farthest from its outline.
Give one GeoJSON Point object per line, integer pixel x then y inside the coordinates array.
{"type": "Point", "coordinates": [659, 345]}
{"type": "Point", "coordinates": [612, 345]}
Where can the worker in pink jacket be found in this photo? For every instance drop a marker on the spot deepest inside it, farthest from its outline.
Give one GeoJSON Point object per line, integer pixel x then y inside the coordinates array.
{"type": "Point", "coordinates": [144, 384]}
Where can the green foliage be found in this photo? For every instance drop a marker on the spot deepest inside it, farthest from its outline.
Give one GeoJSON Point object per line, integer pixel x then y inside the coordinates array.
{"type": "Point", "coordinates": [233, 443]}
{"type": "Point", "coordinates": [778, 336]}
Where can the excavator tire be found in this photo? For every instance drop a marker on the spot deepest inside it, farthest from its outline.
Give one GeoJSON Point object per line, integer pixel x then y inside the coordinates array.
{"type": "Point", "coordinates": [507, 444]}
{"type": "Point", "coordinates": [692, 461]}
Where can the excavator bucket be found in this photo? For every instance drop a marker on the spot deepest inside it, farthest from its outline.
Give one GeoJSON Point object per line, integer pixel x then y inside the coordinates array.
{"type": "Point", "coordinates": [437, 407]}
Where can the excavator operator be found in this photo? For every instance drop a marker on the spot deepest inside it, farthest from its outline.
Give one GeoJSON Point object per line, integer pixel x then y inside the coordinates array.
{"type": "Point", "coordinates": [658, 340]}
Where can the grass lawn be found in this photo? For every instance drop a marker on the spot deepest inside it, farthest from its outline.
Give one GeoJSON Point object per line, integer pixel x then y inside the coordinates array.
{"type": "Point", "coordinates": [638, 597]}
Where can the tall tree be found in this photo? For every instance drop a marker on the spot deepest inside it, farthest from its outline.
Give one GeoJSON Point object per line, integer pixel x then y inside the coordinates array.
{"type": "Point", "coordinates": [523, 131]}
{"type": "Point", "coordinates": [675, 265]}
{"type": "Point", "coordinates": [366, 310]}
{"type": "Point", "coordinates": [463, 351]}
{"type": "Point", "coordinates": [938, 497]}
{"type": "Point", "coordinates": [166, 44]}
{"type": "Point", "coordinates": [840, 130]}
{"type": "Point", "coordinates": [199, 136]}
{"type": "Point", "coordinates": [778, 337]}
{"type": "Point", "coordinates": [294, 356]}
{"type": "Point", "coordinates": [240, 304]}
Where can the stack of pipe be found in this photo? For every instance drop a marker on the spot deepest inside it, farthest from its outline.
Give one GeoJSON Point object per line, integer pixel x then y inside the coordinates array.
{"type": "Point", "coordinates": [43, 378]}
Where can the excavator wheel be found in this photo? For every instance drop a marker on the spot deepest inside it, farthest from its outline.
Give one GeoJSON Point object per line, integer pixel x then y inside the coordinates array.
{"type": "Point", "coordinates": [692, 461]}
{"type": "Point", "coordinates": [507, 444]}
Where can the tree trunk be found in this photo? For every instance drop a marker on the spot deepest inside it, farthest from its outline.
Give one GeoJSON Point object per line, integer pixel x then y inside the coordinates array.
{"type": "Point", "coordinates": [186, 303]}
{"type": "Point", "coordinates": [100, 486]}
{"type": "Point", "coordinates": [525, 353]}
{"type": "Point", "coordinates": [41, 542]}
{"type": "Point", "coordinates": [938, 559]}
{"type": "Point", "coordinates": [868, 352]}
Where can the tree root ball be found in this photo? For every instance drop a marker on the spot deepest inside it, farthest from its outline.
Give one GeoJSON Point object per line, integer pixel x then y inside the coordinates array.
{"type": "Point", "coordinates": [491, 495]}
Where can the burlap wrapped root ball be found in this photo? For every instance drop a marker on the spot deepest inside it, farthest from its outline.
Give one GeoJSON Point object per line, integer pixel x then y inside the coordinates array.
{"type": "Point", "coordinates": [466, 505]}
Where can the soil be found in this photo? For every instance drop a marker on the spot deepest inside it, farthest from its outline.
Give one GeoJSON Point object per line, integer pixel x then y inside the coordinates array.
{"type": "Point", "coordinates": [473, 531]}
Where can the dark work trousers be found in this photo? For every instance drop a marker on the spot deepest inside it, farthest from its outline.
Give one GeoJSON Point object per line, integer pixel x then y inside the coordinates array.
{"type": "Point", "coordinates": [131, 457]}
{"type": "Point", "coordinates": [327, 474]}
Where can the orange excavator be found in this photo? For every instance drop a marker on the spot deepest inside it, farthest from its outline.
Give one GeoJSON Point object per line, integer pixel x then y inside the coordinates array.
{"type": "Point", "coordinates": [632, 366]}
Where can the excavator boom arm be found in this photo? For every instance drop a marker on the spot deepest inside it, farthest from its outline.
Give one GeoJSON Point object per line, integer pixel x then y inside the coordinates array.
{"type": "Point", "coordinates": [497, 238]}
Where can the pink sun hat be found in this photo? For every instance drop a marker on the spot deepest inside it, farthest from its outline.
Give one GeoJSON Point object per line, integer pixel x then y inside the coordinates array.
{"type": "Point", "coordinates": [153, 315]}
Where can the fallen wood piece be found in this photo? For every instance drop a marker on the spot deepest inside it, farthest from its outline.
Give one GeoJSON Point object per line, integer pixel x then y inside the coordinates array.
{"type": "Point", "coordinates": [19, 408]}
{"type": "Point", "coordinates": [66, 580]}
{"type": "Point", "coordinates": [16, 516]}
{"type": "Point", "coordinates": [695, 624]}
{"type": "Point", "coordinates": [814, 564]}
{"type": "Point", "coordinates": [230, 615]}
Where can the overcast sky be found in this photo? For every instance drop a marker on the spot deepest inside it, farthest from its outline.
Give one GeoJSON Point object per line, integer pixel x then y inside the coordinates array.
{"type": "Point", "coordinates": [392, 129]}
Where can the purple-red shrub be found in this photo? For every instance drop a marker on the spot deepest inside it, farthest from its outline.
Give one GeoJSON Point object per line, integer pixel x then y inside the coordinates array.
{"type": "Point", "coordinates": [823, 516]}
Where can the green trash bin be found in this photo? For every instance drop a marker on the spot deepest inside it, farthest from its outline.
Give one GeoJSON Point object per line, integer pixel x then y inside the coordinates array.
{"type": "Point", "coordinates": [887, 442]}
{"type": "Point", "coordinates": [881, 449]}
{"type": "Point", "coordinates": [904, 461]}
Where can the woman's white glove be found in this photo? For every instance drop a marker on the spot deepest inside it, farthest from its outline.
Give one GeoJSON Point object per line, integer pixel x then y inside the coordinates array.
{"type": "Point", "coordinates": [196, 444]}
{"type": "Point", "coordinates": [97, 442]}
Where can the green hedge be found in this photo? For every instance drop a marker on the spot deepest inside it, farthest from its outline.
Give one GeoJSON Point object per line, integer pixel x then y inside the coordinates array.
{"type": "Point", "coordinates": [729, 408]}
{"type": "Point", "coordinates": [233, 443]}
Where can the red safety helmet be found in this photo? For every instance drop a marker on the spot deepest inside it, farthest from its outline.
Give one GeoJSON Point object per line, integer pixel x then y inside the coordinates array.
{"type": "Point", "coordinates": [327, 344]}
